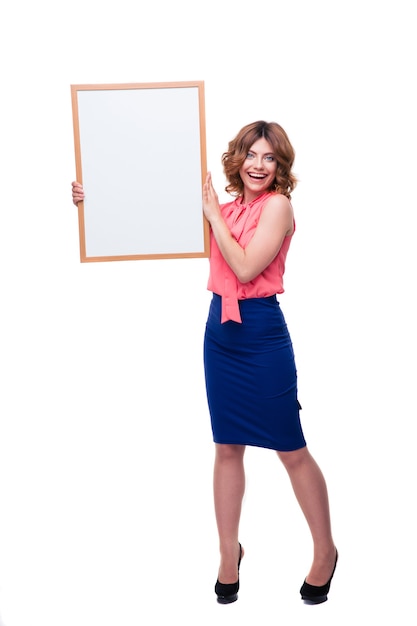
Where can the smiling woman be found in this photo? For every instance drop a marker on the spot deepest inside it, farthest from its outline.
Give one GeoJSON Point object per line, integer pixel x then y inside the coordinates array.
{"type": "Point", "coordinates": [278, 150]}
{"type": "Point", "coordinates": [250, 371]}
{"type": "Point", "coordinates": [258, 170]}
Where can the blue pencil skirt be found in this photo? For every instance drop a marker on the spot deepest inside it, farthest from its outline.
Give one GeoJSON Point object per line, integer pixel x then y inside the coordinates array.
{"type": "Point", "coordinates": [251, 377]}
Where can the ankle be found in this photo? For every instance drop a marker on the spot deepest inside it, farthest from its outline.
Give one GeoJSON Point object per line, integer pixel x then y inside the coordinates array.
{"type": "Point", "coordinates": [230, 563]}
{"type": "Point", "coordinates": [230, 551]}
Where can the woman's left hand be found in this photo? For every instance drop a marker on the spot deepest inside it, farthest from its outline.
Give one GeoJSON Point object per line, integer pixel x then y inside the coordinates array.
{"type": "Point", "coordinates": [211, 206]}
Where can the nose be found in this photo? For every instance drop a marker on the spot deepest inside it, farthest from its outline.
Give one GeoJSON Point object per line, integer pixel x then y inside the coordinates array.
{"type": "Point", "coordinates": [259, 162]}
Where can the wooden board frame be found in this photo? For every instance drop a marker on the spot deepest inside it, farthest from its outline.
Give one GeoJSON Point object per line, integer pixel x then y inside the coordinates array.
{"type": "Point", "coordinates": [140, 154]}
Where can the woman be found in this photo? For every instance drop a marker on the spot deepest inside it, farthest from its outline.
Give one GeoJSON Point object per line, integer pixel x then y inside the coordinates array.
{"type": "Point", "coordinates": [250, 371]}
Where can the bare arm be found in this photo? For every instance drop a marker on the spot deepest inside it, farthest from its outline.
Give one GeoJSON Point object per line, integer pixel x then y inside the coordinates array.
{"type": "Point", "coordinates": [275, 223]}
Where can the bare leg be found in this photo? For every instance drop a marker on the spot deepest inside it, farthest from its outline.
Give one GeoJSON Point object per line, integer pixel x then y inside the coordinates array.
{"type": "Point", "coordinates": [229, 488]}
{"type": "Point", "coordinates": [311, 492]}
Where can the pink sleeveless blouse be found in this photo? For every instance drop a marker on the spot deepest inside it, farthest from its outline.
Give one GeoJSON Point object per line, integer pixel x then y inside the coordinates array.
{"type": "Point", "coordinates": [242, 221]}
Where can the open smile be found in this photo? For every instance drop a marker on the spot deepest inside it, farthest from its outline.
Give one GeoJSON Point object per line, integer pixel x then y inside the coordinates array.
{"type": "Point", "coordinates": [257, 176]}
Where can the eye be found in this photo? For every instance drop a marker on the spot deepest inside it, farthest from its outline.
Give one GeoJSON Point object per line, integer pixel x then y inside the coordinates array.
{"type": "Point", "coordinates": [250, 155]}
{"type": "Point", "coordinates": [269, 158]}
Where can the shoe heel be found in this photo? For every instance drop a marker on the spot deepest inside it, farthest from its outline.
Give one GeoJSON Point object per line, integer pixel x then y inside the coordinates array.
{"type": "Point", "coordinates": [227, 593]}
{"type": "Point", "coordinates": [317, 595]}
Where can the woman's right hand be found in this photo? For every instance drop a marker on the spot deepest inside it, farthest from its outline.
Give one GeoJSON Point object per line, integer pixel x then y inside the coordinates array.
{"type": "Point", "coordinates": [77, 192]}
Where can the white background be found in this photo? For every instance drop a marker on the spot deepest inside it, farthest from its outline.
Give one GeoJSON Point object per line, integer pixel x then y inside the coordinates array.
{"type": "Point", "coordinates": [105, 446]}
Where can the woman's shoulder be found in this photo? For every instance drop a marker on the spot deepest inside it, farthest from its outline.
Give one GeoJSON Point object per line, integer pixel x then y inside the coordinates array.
{"type": "Point", "coordinates": [279, 207]}
{"type": "Point", "coordinates": [277, 201]}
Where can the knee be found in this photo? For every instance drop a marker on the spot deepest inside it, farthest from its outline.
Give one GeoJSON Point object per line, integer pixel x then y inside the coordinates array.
{"type": "Point", "coordinates": [294, 459]}
{"type": "Point", "coordinates": [226, 452]}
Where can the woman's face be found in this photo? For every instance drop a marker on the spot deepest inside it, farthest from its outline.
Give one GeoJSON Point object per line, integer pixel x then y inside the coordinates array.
{"type": "Point", "coordinates": [258, 170]}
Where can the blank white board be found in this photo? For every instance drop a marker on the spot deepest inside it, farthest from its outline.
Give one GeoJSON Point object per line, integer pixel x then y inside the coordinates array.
{"type": "Point", "coordinates": [140, 153]}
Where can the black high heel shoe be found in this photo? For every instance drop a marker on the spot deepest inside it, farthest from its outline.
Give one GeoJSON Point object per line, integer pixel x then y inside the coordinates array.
{"type": "Point", "coordinates": [227, 593]}
{"type": "Point", "coordinates": [311, 594]}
